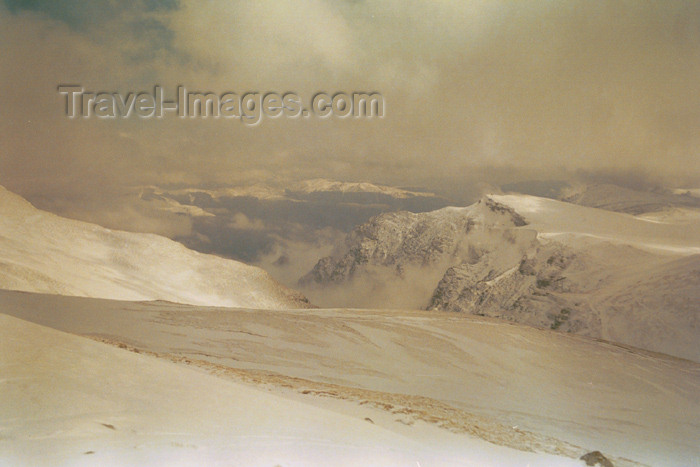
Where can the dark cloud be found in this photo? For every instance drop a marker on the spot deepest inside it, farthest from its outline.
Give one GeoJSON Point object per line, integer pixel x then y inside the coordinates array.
{"type": "Point", "coordinates": [476, 92]}
{"type": "Point", "coordinates": [82, 14]}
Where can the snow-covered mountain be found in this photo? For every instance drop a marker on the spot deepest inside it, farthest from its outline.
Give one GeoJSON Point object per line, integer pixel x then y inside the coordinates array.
{"type": "Point", "coordinates": [610, 196]}
{"type": "Point", "coordinates": [41, 252]}
{"type": "Point", "coordinates": [531, 260]}
{"type": "Point", "coordinates": [621, 199]}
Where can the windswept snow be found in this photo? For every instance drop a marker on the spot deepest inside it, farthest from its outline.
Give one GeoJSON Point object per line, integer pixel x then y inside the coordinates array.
{"type": "Point", "coordinates": [553, 218]}
{"type": "Point", "coordinates": [494, 380]}
{"type": "Point", "coordinates": [616, 198]}
{"type": "Point", "coordinates": [70, 401]}
{"type": "Point", "coordinates": [41, 252]}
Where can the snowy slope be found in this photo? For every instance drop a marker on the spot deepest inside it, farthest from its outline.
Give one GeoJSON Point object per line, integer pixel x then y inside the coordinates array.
{"type": "Point", "coordinates": [41, 252]}
{"type": "Point", "coordinates": [551, 218]}
{"type": "Point", "coordinates": [512, 385]}
{"type": "Point", "coordinates": [620, 199]}
{"type": "Point", "coordinates": [71, 401]}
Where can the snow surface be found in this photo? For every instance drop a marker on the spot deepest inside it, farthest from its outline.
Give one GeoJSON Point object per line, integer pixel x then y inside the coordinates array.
{"type": "Point", "coordinates": [553, 218]}
{"type": "Point", "coordinates": [41, 252]}
{"type": "Point", "coordinates": [70, 401]}
{"type": "Point", "coordinates": [474, 375]}
{"type": "Point", "coordinates": [616, 198]}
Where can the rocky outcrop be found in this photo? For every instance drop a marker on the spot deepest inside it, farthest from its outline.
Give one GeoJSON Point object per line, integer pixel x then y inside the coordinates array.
{"type": "Point", "coordinates": [486, 259]}
{"type": "Point", "coordinates": [401, 240]}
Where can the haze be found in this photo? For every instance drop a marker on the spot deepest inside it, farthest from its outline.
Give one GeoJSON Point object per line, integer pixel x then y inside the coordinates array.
{"type": "Point", "coordinates": [476, 91]}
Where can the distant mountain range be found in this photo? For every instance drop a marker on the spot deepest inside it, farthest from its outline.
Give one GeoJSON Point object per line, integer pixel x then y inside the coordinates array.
{"type": "Point", "coordinates": [609, 196]}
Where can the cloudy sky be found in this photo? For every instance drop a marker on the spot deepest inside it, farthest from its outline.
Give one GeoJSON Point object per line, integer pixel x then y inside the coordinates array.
{"type": "Point", "coordinates": [475, 91]}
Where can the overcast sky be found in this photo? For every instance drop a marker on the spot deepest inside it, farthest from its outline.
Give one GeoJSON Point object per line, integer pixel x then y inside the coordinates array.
{"type": "Point", "coordinates": [475, 91]}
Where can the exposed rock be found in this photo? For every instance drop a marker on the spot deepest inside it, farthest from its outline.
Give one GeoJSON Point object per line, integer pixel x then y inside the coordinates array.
{"type": "Point", "coordinates": [400, 240]}
{"type": "Point", "coordinates": [487, 260]}
{"type": "Point", "coordinates": [596, 458]}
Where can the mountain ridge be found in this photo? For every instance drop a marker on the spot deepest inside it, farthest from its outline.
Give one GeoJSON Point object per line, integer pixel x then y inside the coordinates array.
{"type": "Point", "coordinates": [530, 260]}
{"type": "Point", "coordinates": [43, 252]}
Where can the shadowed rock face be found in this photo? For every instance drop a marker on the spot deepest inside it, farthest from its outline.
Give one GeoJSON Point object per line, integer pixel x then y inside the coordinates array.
{"type": "Point", "coordinates": [402, 240]}
{"type": "Point", "coordinates": [596, 458]}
